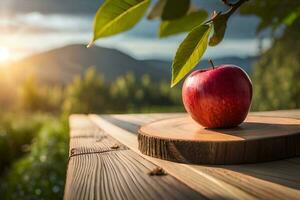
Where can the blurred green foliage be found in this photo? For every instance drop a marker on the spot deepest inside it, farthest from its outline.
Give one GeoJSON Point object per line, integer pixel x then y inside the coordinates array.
{"type": "Point", "coordinates": [276, 75]}
{"type": "Point", "coordinates": [8, 92]}
{"type": "Point", "coordinates": [16, 134]}
{"type": "Point", "coordinates": [126, 94]}
{"type": "Point", "coordinates": [86, 94]}
{"type": "Point", "coordinates": [273, 13]}
{"type": "Point", "coordinates": [41, 173]}
{"type": "Point", "coordinates": [131, 94]}
{"type": "Point", "coordinates": [41, 98]}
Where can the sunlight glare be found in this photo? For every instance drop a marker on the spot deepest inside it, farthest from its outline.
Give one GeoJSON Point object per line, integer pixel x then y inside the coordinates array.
{"type": "Point", "coordinates": [5, 55]}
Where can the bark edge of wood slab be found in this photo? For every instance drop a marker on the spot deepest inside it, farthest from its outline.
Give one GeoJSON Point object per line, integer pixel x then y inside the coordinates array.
{"type": "Point", "coordinates": [258, 139]}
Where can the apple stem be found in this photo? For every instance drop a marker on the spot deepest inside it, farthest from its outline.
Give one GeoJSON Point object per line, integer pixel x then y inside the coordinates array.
{"type": "Point", "coordinates": [212, 64]}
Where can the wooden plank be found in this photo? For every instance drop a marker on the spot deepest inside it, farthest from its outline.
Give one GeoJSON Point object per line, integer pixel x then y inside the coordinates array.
{"type": "Point", "coordinates": [100, 167]}
{"type": "Point", "coordinates": [272, 180]}
{"type": "Point", "coordinates": [86, 137]}
{"type": "Point", "coordinates": [121, 175]}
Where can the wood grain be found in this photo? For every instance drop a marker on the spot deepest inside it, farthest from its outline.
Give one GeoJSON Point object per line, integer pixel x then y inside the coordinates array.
{"type": "Point", "coordinates": [101, 167]}
{"type": "Point", "coordinates": [270, 180]}
{"type": "Point", "coordinates": [126, 132]}
{"type": "Point", "coordinates": [181, 139]}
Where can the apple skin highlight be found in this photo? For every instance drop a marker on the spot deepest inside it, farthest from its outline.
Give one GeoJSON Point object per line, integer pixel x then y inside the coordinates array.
{"type": "Point", "coordinates": [219, 97]}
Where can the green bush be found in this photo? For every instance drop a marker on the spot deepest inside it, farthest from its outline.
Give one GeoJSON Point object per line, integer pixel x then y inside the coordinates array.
{"type": "Point", "coordinates": [16, 134]}
{"type": "Point", "coordinates": [86, 94]}
{"type": "Point", "coordinates": [36, 97]}
{"type": "Point", "coordinates": [90, 94]}
{"type": "Point", "coordinates": [41, 173]}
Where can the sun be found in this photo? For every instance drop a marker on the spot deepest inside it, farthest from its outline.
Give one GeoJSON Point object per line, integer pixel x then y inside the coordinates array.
{"type": "Point", "coordinates": [5, 54]}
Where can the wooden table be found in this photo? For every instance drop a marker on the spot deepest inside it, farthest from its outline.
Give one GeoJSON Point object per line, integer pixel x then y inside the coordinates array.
{"type": "Point", "coordinates": [105, 163]}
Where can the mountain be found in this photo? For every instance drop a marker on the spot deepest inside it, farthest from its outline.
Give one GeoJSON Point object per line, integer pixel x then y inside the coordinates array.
{"type": "Point", "coordinates": [59, 66]}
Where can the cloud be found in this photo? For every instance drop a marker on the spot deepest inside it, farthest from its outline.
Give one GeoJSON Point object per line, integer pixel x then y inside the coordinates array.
{"type": "Point", "coordinates": [39, 23]}
{"type": "Point", "coordinates": [35, 32]}
{"type": "Point", "coordinates": [143, 48]}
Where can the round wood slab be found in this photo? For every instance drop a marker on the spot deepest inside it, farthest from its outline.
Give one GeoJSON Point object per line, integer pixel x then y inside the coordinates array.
{"type": "Point", "coordinates": [258, 139]}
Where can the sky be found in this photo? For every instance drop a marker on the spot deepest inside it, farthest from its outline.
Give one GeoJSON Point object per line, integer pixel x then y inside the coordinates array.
{"type": "Point", "coordinates": [24, 33]}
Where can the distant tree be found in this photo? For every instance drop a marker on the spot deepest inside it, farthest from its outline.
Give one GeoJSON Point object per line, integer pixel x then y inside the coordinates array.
{"type": "Point", "coordinates": [87, 94]}
{"type": "Point", "coordinates": [8, 92]}
{"type": "Point", "coordinates": [90, 94]}
{"type": "Point", "coordinates": [37, 97]}
{"type": "Point", "coordinates": [124, 93]}
{"type": "Point", "coordinates": [173, 95]}
{"type": "Point", "coordinates": [134, 94]}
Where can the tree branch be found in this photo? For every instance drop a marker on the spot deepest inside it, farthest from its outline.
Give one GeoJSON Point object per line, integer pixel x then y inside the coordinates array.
{"type": "Point", "coordinates": [234, 7]}
{"type": "Point", "coordinates": [227, 3]}
{"type": "Point", "coordinates": [229, 12]}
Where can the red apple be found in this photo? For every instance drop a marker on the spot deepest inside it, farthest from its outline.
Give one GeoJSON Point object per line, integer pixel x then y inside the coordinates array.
{"type": "Point", "coordinates": [219, 97]}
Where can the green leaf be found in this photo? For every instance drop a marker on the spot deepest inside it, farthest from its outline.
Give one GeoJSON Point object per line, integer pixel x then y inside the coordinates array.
{"type": "Point", "coordinates": [291, 17]}
{"type": "Point", "coordinates": [157, 9]}
{"type": "Point", "coordinates": [184, 24]}
{"type": "Point", "coordinates": [116, 16]}
{"type": "Point", "coordinates": [220, 24]}
{"type": "Point", "coordinates": [175, 9]}
{"type": "Point", "coordinates": [190, 52]}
